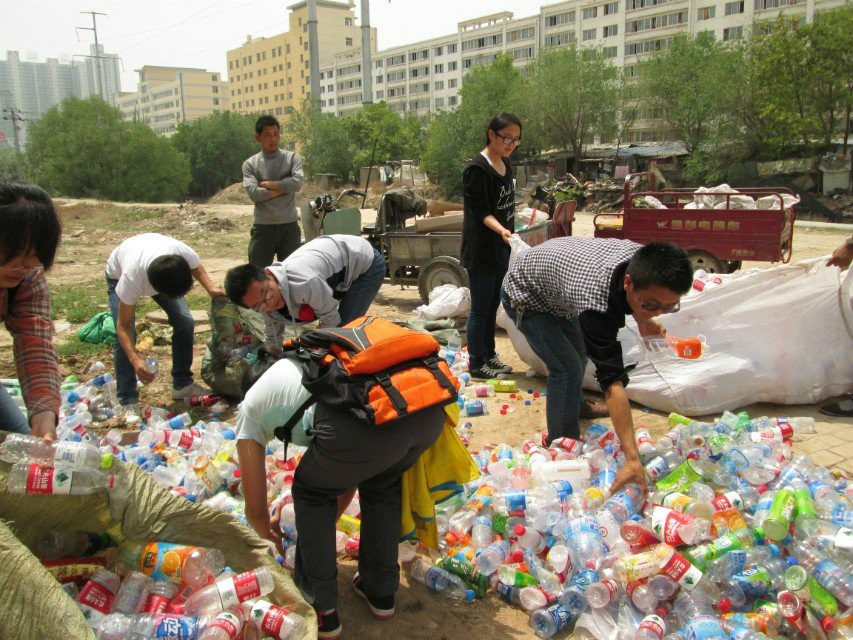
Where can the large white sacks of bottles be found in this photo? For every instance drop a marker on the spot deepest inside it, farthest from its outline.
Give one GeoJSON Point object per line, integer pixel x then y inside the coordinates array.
{"type": "Point", "coordinates": [780, 335]}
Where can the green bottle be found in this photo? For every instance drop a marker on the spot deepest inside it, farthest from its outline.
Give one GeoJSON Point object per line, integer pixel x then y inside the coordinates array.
{"type": "Point", "coordinates": [778, 519]}
{"type": "Point", "coordinates": [474, 580]}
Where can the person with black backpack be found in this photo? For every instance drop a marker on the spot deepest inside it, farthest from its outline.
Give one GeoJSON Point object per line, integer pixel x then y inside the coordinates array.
{"type": "Point", "coordinates": [295, 401]}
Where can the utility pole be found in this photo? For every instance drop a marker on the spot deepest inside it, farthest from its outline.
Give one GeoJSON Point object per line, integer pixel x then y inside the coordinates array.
{"type": "Point", "coordinates": [94, 29]}
{"type": "Point", "coordinates": [366, 66]}
{"type": "Point", "coordinates": [13, 114]}
{"type": "Point", "coordinates": [313, 52]}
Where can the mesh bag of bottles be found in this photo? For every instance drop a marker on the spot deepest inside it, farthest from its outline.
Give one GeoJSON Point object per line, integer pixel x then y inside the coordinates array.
{"type": "Point", "coordinates": [33, 606]}
{"type": "Point", "coordinates": [235, 333]}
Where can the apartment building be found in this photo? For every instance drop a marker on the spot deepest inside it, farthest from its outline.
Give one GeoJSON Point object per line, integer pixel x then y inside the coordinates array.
{"type": "Point", "coordinates": [167, 96]}
{"type": "Point", "coordinates": [29, 88]}
{"type": "Point", "coordinates": [271, 75]}
{"type": "Point", "coordinates": [426, 76]}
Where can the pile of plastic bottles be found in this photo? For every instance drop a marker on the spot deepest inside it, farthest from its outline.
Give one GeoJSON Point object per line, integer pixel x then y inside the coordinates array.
{"type": "Point", "coordinates": [735, 538]}
{"type": "Point", "coordinates": [148, 590]}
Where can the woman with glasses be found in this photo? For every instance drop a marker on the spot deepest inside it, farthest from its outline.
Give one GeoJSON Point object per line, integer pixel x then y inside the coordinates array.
{"type": "Point", "coordinates": [30, 232]}
{"type": "Point", "coordinates": [488, 222]}
{"type": "Point", "coordinates": [569, 297]}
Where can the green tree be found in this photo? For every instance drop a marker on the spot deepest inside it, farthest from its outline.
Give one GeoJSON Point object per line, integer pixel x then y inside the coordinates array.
{"type": "Point", "coordinates": [322, 141]}
{"type": "Point", "coordinates": [12, 164]}
{"type": "Point", "coordinates": [396, 137]}
{"type": "Point", "coordinates": [687, 86]}
{"type": "Point", "coordinates": [216, 146]}
{"type": "Point", "coordinates": [82, 148]}
{"type": "Point", "coordinates": [455, 136]}
{"type": "Point", "coordinates": [574, 94]}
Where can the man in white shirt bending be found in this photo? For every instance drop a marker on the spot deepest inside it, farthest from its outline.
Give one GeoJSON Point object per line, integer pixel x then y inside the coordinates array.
{"type": "Point", "coordinates": [154, 265]}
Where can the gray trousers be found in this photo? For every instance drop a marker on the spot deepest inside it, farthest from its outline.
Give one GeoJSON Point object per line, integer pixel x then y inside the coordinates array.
{"type": "Point", "coordinates": [345, 453]}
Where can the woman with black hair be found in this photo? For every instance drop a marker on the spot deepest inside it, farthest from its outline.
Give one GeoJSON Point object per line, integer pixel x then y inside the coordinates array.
{"type": "Point", "coordinates": [488, 222]}
{"type": "Point", "coordinates": [30, 232]}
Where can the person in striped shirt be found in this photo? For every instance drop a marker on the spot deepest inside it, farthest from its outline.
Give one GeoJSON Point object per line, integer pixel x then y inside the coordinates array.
{"type": "Point", "coordinates": [30, 232]}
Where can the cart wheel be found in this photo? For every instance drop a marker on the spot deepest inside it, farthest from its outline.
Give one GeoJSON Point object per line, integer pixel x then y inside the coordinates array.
{"type": "Point", "coordinates": [704, 260]}
{"type": "Point", "coordinates": [441, 270]}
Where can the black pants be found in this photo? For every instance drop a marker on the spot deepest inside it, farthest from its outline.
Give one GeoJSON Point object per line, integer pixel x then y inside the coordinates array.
{"type": "Point", "coordinates": [346, 453]}
{"type": "Point", "coordinates": [271, 242]}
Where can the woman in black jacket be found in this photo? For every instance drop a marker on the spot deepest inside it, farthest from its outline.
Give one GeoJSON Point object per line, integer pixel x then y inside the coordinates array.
{"type": "Point", "coordinates": [489, 197]}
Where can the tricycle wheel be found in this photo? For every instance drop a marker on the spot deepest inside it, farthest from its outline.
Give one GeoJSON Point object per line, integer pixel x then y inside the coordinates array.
{"type": "Point", "coordinates": [704, 260]}
{"type": "Point", "coordinates": [441, 270]}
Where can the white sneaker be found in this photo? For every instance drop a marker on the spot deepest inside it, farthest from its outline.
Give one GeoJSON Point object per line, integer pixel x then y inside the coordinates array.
{"type": "Point", "coordinates": [194, 389]}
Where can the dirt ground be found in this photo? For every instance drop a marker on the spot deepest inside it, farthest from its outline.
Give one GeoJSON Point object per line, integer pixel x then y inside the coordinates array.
{"type": "Point", "coordinates": [220, 233]}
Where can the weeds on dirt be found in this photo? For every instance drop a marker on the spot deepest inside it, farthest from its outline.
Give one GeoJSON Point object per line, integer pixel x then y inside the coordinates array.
{"type": "Point", "coordinates": [75, 347]}
{"type": "Point", "coordinates": [78, 303]}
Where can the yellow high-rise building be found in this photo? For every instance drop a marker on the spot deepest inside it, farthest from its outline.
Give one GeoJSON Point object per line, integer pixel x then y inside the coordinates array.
{"type": "Point", "coordinates": [270, 75]}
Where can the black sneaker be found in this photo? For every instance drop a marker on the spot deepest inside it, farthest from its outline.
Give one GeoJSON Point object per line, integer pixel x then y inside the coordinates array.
{"type": "Point", "coordinates": [486, 372]}
{"type": "Point", "coordinates": [496, 364]}
{"type": "Point", "coordinates": [328, 625]}
{"type": "Point", "coordinates": [381, 608]}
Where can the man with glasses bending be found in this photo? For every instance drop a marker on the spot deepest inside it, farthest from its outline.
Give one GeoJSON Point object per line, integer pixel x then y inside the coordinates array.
{"type": "Point", "coordinates": [332, 279]}
{"type": "Point", "coordinates": [569, 297]}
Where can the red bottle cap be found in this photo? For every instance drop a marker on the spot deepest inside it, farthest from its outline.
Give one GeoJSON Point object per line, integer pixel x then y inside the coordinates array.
{"type": "Point", "coordinates": [724, 605]}
{"type": "Point", "coordinates": [827, 623]}
{"type": "Point", "coordinates": [519, 529]}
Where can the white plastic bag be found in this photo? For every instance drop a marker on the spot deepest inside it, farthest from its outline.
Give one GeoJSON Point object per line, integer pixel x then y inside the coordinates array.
{"type": "Point", "coordinates": [517, 246]}
{"type": "Point", "coordinates": [782, 335]}
{"type": "Point", "coordinates": [772, 202]}
{"type": "Point", "coordinates": [446, 301]}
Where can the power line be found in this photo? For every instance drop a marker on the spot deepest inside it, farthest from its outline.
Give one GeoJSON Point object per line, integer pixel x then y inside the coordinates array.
{"type": "Point", "coordinates": [180, 22]}
{"type": "Point", "coordinates": [172, 26]}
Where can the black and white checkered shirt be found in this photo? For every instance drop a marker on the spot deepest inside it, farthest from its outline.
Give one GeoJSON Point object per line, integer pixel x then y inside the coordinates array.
{"type": "Point", "coordinates": [567, 276]}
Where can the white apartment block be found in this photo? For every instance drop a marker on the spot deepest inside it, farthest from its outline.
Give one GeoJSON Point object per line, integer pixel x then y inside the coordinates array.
{"type": "Point", "coordinates": [426, 76]}
{"type": "Point", "coordinates": [167, 96]}
{"type": "Point", "coordinates": [30, 88]}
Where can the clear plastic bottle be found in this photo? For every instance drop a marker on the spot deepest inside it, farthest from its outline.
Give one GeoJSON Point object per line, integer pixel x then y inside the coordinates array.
{"type": "Point", "coordinates": [533, 598]}
{"type": "Point", "coordinates": [489, 559]}
{"type": "Point", "coordinates": [653, 627]}
{"type": "Point", "coordinates": [34, 478]}
{"type": "Point", "coordinates": [152, 366]}
{"type": "Point", "coordinates": [227, 625]}
{"type": "Point", "coordinates": [145, 626]}
{"type": "Point", "coordinates": [440, 580]}
{"type": "Point", "coordinates": [529, 538]}
{"type": "Point", "coordinates": [697, 617]}
{"type": "Point", "coordinates": [584, 541]}
{"type": "Point", "coordinates": [549, 620]}
{"type": "Point", "coordinates": [603, 593]}
{"type": "Point", "coordinates": [230, 591]}
{"type": "Point", "coordinates": [17, 448]}
{"type": "Point", "coordinates": [274, 621]}
{"type": "Point", "coordinates": [160, 592]}
{"type": "Point", "coordinates": [96, 597]}
{"type": "Point", "coordinates": [827, 572]}
{"type": "Point", "coordinates": [131, 595]}
{"type": "Point", "coordinates": [168, 561]}
{"type": "Point", "coordinates": [64, 543]}
{"type": "Point", "coordinates": [482, 533]}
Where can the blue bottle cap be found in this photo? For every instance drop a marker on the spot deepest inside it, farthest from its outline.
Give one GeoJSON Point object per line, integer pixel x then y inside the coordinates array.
{"type": "Point", "coordinates": [228, 434]}
{"type": "Point", "coordinates": [791, 560]}
{"type": "Point", "coordinates": [774, 549]}
{"type": "Point", "coordinates": [469, 595]}
{"type": "Point", "coordinates": [191, 497]}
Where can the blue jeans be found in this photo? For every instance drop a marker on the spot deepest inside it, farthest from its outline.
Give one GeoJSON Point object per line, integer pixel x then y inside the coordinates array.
{"type": "Point", "coordinates": [357, 299]}
{"type": "Point", "coordinates": [183, 325]}
{"type": "Point", "coordinates": [11, 418]}
{"type": "Point", "coordinates": [559, 343]}
{"type": "Point", "coordinates": [485, 287]}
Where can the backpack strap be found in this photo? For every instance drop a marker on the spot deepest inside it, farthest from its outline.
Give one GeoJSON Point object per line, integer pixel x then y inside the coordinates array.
{"type": "Point", "coordinates": [283, 432]}
{"type": "Point", "coordinates": [443, 380]}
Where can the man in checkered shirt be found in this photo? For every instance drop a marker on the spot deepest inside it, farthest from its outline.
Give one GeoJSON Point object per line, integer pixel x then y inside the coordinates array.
{"type": "Point", "coordinates": [569, 297]}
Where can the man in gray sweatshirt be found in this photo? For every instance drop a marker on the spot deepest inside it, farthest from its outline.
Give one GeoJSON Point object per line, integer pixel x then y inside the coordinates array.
{"type": "Point", "coordinates": [331, 279]}
{"type": "Point", "coordinates": [273, 178]}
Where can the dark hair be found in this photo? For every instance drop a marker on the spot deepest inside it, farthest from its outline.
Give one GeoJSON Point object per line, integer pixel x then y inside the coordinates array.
{"type": "Point", "coordinates": [500, 121]}
{"type": "Point", "coordinates": [28, 223]}
{"type": "Point", "coordinates": [170, 275]}
{"type": "Point", "coordinates": [238, 280]}
{"type": "Point", "coordinates": [266, 121]}
{"type": "Point", "coordinates": [661, 264]}
{"type": "Point", "coordinates": [254, 371]}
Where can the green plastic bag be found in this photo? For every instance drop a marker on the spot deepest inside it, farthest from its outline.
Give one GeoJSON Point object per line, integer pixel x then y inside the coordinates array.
{"type": "Point", "coordinates": [99, 330]}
